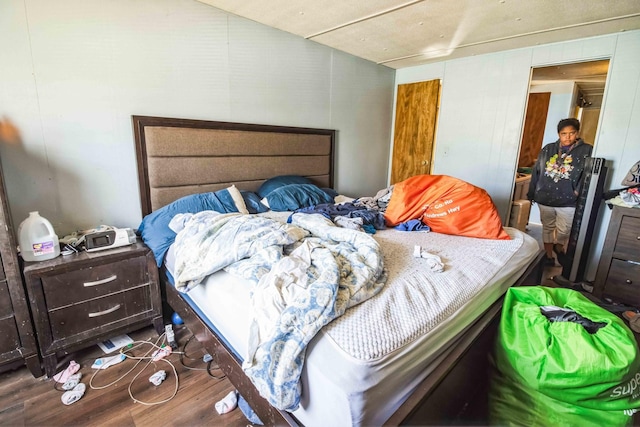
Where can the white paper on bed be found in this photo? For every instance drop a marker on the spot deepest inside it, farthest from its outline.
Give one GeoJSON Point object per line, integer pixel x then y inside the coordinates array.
{"type": "Point", "coordinates": [362, 366]}
{"type": "Point", "coordinates": [306, 274]}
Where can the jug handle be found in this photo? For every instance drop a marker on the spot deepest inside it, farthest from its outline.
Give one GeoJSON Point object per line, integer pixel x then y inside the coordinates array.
{"type": "Point", "coordinates": [50, 228]}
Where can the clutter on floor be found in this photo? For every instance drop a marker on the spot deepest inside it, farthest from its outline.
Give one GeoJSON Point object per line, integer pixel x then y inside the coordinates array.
{"type": "Point", "coordinates": [143, 354]}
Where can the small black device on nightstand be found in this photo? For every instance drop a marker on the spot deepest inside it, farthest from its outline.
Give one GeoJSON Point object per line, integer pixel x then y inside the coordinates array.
{"type": "Point", "coordinates": [101, 240]}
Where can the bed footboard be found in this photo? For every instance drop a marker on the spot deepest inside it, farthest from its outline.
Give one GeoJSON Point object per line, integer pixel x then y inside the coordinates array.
{"type": "Point", "coordinates": [226, 360]}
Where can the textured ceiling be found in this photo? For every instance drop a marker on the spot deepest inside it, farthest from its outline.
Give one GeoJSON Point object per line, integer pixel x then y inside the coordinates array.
{"type": "Point", "coordinates": [400, 34]}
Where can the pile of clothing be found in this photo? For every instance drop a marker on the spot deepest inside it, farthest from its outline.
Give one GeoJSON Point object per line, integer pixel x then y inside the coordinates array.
{"type": "Point", "coordinates": [627, 197]}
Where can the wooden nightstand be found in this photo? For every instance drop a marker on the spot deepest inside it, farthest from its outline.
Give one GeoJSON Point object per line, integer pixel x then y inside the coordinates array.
{"type": "Point", "coordinates": [618, 275]}
{"type": "Point", "coordinates": [79, 300]}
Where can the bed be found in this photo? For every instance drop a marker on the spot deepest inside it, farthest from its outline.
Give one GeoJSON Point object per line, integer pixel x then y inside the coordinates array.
{"type": "Point", "coordinates": [427, 372]}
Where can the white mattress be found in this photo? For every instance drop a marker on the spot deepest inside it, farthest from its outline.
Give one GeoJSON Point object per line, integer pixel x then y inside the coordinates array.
{"type": "Point", "coordinates": [362, 366]}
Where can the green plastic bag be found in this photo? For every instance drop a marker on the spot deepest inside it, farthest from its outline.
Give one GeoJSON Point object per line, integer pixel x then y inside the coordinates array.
{"type": "Point", "coordinates": [553, 371]}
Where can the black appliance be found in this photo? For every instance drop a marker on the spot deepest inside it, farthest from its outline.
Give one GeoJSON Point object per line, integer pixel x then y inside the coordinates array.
{"type": "Point", "coordinates": [574, 263]}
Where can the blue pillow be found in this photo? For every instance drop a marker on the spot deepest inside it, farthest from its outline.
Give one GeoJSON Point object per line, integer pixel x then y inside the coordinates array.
{"type": "Point", "coordinates": [331, 192]}
{"type": "Point", "coordinates": [280, 181]}
{"type": "Point", "coordinates": [154, 227]}
{"type": "Point", "coordinates": [296, 196]}
{"type": "Point", "coordinates": [252, 202]}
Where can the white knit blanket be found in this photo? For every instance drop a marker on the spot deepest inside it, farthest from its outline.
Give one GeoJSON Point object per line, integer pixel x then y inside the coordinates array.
{"type": "Point", "coordinates": [416, 299]}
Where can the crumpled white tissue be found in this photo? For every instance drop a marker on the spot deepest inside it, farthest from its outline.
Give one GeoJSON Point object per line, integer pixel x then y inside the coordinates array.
{"type": "Point", "coordinates": [433, 261]}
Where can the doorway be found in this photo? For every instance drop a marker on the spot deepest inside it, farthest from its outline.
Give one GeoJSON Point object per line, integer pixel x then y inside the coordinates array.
{"type": "Point", "coordinates": [555, 93]}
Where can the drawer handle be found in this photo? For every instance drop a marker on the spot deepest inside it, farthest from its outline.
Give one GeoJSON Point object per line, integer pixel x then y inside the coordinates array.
{"type": "Point", "coordinates": [628, 281]}
{"type": "Point", "coordinates": [100, 282]}
{"type": "Point", "coordinates": [107, 311]}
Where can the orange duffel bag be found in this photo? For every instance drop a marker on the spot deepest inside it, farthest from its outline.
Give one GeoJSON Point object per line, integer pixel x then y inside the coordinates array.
{"type": "Point", "coordinates": [447, 205]}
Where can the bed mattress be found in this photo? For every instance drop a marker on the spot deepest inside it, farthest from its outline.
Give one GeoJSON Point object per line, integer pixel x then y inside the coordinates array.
{"type": "Point", "coordinates": [362, 366]}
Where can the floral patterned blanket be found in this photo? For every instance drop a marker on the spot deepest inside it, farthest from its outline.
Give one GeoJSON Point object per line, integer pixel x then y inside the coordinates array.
{"type": "Point", "coordinates": [307, 273]}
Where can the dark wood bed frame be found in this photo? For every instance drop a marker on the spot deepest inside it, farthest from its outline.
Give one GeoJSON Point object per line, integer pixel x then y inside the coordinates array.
{"type": "Point", "coordinates": [453, 394]}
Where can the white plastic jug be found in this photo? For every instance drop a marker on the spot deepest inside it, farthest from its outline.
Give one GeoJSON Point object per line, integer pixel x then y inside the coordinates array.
{"type": "Point", "coordinates": [37, 239]}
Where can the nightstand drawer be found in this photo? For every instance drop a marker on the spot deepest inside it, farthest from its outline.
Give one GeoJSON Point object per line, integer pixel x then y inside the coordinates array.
{"type": "Point", "coordinates": [99, 312]}
{"type": "Point", "coordinates": [628, 243]}
{"type": "Point", "coordinates": [623, 282]}
{"type": "Point", "coordinates": [92, 282]}
{"type": "Point", "coordinates": [5, 301]}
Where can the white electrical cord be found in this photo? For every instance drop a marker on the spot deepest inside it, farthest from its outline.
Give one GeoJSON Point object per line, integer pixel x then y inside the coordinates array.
{"type": "Point", "coordinates": [146, 356]}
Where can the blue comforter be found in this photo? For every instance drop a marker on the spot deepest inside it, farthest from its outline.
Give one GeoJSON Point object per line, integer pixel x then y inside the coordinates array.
{"type": "Point", "coordinates": [350, 210]}
{"type": "Point", "coordinates": [307, 273]}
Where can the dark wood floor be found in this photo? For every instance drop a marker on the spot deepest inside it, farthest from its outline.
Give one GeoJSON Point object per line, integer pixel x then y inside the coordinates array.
{"type": "Point", "coordinates": [29, 401]}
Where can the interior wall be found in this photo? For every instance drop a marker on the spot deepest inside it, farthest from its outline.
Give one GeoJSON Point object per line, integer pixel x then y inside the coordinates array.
{"type": "Point", "coordinates": [482, 110]}
{"type": "Point", "coordinates": [74, 71]}
{"type": "Point", "coordinates": [483, 106]}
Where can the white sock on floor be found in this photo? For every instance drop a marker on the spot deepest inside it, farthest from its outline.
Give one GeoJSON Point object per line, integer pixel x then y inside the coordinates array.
{"type": "Point", "coordinates": [73, 395]}
{"type": "Point", "coordinates": [227, 404]}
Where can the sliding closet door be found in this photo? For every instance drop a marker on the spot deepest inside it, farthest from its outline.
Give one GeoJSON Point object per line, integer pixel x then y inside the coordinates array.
{"type": "Point", "coordinates": [415, 129]}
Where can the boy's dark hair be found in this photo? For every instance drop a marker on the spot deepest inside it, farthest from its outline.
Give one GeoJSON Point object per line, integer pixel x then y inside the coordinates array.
{"type": "Point", "coordinates": [574, 123]}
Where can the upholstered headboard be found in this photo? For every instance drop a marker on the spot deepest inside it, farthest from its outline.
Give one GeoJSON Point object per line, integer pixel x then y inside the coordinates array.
{"type": "Point", "coordinates": [178, 157]}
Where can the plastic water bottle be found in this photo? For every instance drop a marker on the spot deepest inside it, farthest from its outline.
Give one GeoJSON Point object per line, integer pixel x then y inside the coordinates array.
{"type": "Point", "coordinates": [37, 239]}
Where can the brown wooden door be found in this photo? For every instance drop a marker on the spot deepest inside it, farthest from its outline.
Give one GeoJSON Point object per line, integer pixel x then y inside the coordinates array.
{"type": "Point", "coordinates": [415, 128]}
{"type": "Point", "coordinates": [534, 124]}
{"type": "Point", "coordinates": [589, 125]}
